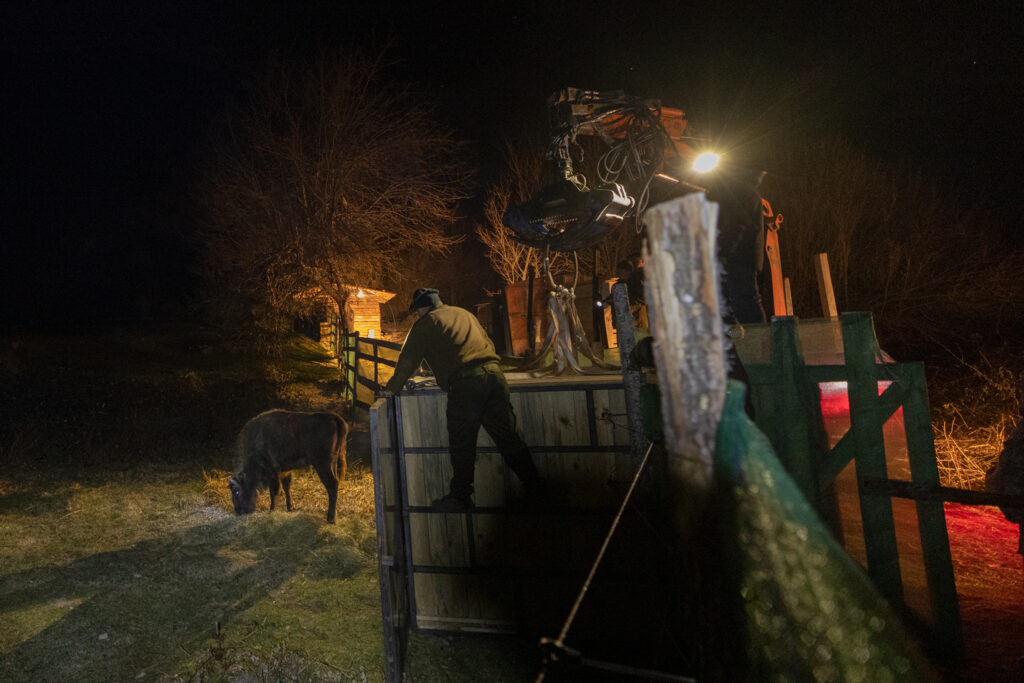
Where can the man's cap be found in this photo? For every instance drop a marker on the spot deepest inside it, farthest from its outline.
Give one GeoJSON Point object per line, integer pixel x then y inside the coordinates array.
{"type": "Point", "coordinates": [425, 297]}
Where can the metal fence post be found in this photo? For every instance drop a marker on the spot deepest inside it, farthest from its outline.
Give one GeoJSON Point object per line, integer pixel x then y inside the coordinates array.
{"type": "Point", "coordinates": [632, 377]}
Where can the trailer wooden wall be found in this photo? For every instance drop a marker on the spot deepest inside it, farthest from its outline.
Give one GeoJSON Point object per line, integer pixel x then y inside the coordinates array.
{"type": "Point", "coordinates": [503, 568]}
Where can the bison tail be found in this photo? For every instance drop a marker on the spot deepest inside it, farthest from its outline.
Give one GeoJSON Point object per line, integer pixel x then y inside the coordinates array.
{"type": "Point", "coordinates": [341, 426]}
{"type": "Point", "coordinates": [341, 462]}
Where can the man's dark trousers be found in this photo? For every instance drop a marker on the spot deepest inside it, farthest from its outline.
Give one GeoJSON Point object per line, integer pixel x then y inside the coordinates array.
{"type": "Point", "coordinates": [480, 397]}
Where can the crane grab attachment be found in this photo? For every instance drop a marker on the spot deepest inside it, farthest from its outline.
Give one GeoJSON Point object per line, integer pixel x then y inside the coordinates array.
{"type": "Point", "coordinates": [644, 144]}
{"type": "Point", "coordinates": [565, 219]}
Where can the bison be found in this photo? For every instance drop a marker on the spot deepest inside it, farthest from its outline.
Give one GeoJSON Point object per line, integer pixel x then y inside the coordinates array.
{"type": "Point", "coordinates": [273, 443]}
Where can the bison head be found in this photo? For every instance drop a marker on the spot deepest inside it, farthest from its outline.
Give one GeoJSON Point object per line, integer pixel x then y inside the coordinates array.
{"type": "Point", "coordinates": [243, 497]}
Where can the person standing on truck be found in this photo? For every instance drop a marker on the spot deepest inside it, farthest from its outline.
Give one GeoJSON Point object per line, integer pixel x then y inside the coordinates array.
{"type": "Point", "coordinates": [637, 295]}
{"type": "Point", "coordinates": [462, 357]}
{"type": "Point", "coordinates": [741, 239]}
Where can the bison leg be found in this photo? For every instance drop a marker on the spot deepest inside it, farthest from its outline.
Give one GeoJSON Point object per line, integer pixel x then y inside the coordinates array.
{"type": "Point", "coordinates": [286, 484]}
{"type": "Point", "coordinates": [330, 482]}
{"type": "Point", "coordinates": [274, 487]}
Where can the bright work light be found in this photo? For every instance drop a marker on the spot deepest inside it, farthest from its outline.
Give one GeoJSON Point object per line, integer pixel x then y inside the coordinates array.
{"type": "Point", "coordinates": [705, 162]}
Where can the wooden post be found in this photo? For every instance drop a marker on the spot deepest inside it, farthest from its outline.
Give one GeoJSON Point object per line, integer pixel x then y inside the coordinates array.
{"type": "Point", "coordinates": [793, 442]}
{"type": "Point", "coordinates": [595, 294]}
{"type": "Point", "coordinates": [632, 377]}
{"type": "Point", "coordinates": [376, 362]}
{"type": "Point", "coordinates": [531, 335]}
{"type": "Point", "coordinates": [771, 246]}
{"type": "Point", "coordinates": [825, 291]}
{"type": "Point", "coordinates": [682, 290]}
{"type": "Point", "coordinates": [355, 373]}
{"type": "Point", "coordinates": [789, 296]}
{"type": "Point", "coordinates": [866, 421]}
{"type": "Point", "coordinates": [931, 515]}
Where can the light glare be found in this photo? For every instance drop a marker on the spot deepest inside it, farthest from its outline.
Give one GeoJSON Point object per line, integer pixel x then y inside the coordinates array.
{"type": "Point", "coordinates": [705, 162]}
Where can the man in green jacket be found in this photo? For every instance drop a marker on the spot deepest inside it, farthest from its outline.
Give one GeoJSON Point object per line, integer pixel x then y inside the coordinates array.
{"type": "Point", "coordinates": [463, 360]}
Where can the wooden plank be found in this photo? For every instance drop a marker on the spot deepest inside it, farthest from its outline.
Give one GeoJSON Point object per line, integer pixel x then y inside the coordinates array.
{"type": "Point", "coordinates": [837, 458]}
{"type": "Point", "coordinates": [860, 349]}
{"type": "Point", "coordinates": [825, 291]}
{"type": "Point", "coordinates": [606, 313]}
{"type": "Point", "coordinates": [379, 361]}
{"type": "Point", "coordinates": [793, 430]}
{"type": "Point", "coordinates": [491, 481]}
{"type": "Point", "coordinates": [553, 418]}
{"type": "Point", "coordinates": [489, 530]}
{"type": "Point", "coordinates": [443, 539]}
{"type": "Point", "coordinates": [938, 563]}
{"type": "Point", "coordinates": [771, 246]}
{"type": "Point", "coordinates": [899, 488]}
{"type": "Point", "coordinates": [831, 463]}
{"type": "Point", "coordinates": [423, 419]}
{"type": "Point", "coordinates": [390, 542]}
{"type": "Point", "coordinates": [560, 416]}
{"type": "Point", "coordinates": [497, 615]}
{"type": "Point", "coordinates": [415, 488]}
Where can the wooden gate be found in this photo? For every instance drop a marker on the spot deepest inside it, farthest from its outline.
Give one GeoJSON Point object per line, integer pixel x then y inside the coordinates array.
{"type": "Point", "coordinates": [840, 418]}
{"type": "Point", "coordinates": [366, 366]}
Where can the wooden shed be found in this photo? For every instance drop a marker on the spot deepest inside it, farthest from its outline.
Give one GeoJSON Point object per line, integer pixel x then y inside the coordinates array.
{"type": "Point", "coordinates": [363, 313]}
{"type": "Point", "coordinates": [365, 310]}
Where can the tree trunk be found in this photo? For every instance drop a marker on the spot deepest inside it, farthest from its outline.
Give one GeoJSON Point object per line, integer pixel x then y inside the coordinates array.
{"type": "Point", "coordinates": [344, 310]}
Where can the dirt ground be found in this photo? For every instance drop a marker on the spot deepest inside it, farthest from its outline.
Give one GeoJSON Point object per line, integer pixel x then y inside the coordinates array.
{"type": "Point", "coordinates": [988, 571]}
{"type": "Point", "coordinates": [990, 585]}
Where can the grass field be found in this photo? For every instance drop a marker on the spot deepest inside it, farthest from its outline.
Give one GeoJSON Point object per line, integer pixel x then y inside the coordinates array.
{"type": "Point", "coordinates": [121, 556]}
{"type": "Point", "coordinates": [146, 574]}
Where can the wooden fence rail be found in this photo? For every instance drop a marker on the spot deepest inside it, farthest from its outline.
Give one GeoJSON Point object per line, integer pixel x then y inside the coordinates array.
{"type": "Point", "coordinates": [366, 366]}
{"type": "Point", "coordinates": [908, 489]}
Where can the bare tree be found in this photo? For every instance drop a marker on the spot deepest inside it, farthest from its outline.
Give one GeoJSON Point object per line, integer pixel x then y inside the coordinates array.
{"type": "Point", "coordinates": [924, 260]}
{"type": "Point", "coordinates": [523, 174]}
{"type": "Point", "coordinates": [330, 178]}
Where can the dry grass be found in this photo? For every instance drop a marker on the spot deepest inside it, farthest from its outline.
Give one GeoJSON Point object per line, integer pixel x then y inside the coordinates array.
{"type": "Point", "coordinates": [965, 453]}
{"type": "Point", "coordinates": [974, 412]}
{"type": "Point", "coordinates": [355, 494]}
{"type": "Point", "coordinates": [146, 574]}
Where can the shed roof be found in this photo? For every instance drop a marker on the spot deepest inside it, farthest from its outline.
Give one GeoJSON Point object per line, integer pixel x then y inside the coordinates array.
{"type": "Point", "coordinates": [380, 296]}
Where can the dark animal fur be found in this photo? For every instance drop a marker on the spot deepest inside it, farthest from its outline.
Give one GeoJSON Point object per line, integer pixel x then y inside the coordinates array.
{"type": "Point", "coordinates": [274, 443]}
{"type": "Point", "coordinates": [1007, 474]}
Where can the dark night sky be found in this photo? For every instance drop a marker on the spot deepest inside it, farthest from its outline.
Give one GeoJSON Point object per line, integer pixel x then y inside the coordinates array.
{"type": "Point", "coordinates": [107, 104]}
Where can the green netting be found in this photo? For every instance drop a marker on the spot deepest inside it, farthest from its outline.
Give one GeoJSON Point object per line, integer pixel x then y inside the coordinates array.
{"type": "Point", "coordinates": [810, 611]}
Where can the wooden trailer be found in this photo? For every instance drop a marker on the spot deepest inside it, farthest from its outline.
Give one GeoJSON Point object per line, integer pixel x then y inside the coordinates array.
{"type": "Point", "coordinates": [506, 568]}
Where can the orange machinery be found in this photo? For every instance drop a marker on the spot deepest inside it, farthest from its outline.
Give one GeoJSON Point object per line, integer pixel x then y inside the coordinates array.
{"type": "Point", "coordinates": [645, 147]}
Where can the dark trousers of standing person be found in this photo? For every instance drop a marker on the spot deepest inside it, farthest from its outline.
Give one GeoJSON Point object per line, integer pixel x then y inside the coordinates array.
{"type": "Point", "coordinates": [743, 306]}
{"type": "Point", "coordinates": [742, 296]}
{"type": "Point", "coordinates": [479, 397]}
